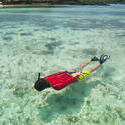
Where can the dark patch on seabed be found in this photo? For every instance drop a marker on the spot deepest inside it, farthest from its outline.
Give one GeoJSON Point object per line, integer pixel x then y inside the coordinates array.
{"type": "Point", "coordinates": [89, 51]}
{"type": "Point", "coordinates": [7, 38]}
{"type": "Point", "coordinates": [52, 39]}
{"type": "Point", "coordinates": [50, 48]}
{"type": "Point", "coordinates": [10, 33]}
{"type": "Point", "coordinates": [52, 45]}
{"type": "Point", "coordinates": [26, 34]}
{"type": "Point", "coordinates": [28, 48]}
{"type": "Point", "coordinates": [44, 52]}
{"type": "Point", "coordinates": [122, 34]}
{"type": "Point", "coordinates": [36, 29]}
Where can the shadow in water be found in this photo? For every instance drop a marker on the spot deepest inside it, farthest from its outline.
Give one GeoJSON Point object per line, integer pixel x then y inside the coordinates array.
{"type": "Point", "coordinates": [107, 75]}
{"type": "Point", "coordinates": [69, 101]}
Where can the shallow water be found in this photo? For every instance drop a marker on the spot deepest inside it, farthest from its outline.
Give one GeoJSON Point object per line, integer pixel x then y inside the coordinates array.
{"type": "Point", "coordinates": [49, 40]}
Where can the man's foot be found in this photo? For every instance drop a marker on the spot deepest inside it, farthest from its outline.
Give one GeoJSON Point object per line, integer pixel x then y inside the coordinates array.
{"type": "Point", "coordinates": [95, 59]}
{"type": "Point", "coordinates": [103, 58]}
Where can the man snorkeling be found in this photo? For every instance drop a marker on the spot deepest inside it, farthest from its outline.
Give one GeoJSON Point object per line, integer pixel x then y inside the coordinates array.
{"type": "Point", "coordinates": [62, 79]}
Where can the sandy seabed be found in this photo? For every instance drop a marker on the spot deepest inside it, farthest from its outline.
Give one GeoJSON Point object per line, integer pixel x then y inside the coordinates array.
{"type": "Point", "coordinates": [49, 40]}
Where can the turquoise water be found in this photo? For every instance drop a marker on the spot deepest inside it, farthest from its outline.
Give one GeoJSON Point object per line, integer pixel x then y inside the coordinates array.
{"type": "Point", "coordinates": [49, 40]}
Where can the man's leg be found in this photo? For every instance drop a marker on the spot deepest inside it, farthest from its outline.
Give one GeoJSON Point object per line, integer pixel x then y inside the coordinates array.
{"type": "Point", "coordinates": [102, 59]}
{"type": "Point", "coordinates": [84, 64]}
{"type": "Point", "coordinates": [78, 69]}
{"type": "Point", "coordinates": [94, 67]}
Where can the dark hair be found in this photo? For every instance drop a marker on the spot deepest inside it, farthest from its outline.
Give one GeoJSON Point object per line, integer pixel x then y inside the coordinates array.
{"type": "Point", "coordinates": [41, 84]}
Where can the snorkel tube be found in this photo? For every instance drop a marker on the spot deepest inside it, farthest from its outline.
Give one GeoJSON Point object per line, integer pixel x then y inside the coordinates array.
{"type": "Point", "coordinates": [38, 75]}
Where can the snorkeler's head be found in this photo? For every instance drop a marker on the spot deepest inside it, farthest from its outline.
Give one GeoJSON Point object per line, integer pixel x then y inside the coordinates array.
{"type": "Point", "coordinates": [41, 84]}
